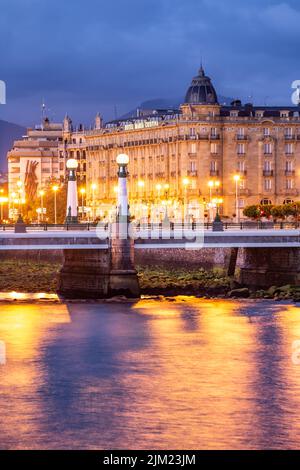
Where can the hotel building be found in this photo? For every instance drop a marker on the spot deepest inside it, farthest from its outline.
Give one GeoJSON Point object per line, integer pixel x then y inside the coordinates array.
{"type": "Point", "coordinates": [241, 154]}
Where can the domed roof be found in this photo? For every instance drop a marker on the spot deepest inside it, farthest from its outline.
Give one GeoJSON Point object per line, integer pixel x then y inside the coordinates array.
{"type": "Point", "coordinates": [201, 90]}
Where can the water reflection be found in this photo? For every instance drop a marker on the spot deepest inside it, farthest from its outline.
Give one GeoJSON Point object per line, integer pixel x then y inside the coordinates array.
{"type": "Point", "coordinates": [184, 374]}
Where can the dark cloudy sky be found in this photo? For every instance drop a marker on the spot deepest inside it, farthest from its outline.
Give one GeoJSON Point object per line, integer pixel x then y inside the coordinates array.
{"type": "Point", "coordinates": [86, 56]}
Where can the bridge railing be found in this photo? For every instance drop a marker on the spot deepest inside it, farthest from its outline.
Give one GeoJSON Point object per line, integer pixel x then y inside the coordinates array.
{"type": "Point", "coordinates": [244, 225]}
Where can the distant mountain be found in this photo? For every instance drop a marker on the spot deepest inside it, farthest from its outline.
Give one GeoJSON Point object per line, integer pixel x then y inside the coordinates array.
{"type": "Point", "coordinates": [162, 103]}
{"type": "Point", "coordinates": [8, 133]}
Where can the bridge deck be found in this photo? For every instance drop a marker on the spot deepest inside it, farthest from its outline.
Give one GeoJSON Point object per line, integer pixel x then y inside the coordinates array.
{"type": "Point", "coordinates": [80, 240]}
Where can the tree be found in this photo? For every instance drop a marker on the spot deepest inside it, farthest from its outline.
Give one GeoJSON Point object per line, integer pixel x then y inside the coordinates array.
{"type": "Point", "coordinates": [61, 202]}
{"type": "Point", "coordinates": [265, 210]}
{"type": "Point", "coordinates": [278, 212]}
{"type": "Point", "coordinates": [252, 212]}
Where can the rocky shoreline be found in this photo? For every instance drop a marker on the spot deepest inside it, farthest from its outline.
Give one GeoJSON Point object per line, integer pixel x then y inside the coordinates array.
{"type": "Point", "coordinates": [33, 277]}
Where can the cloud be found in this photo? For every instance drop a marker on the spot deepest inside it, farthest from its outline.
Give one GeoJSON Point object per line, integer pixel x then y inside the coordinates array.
{"type": "Point", "coordinates": [92, 55]}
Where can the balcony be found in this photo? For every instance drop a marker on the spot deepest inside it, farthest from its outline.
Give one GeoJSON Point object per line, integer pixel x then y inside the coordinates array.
{"type": "Point", "coordinates": [290, 137]}
{"type": "Point", "coordinates": [214, 137]}
{"type": "Point", "coordinates": [289, 192]}
{"type": "Point", "coordinates": [214, 172]}
{"type": "Point", "coordinates": [244, 192]}
{"type": "Point", "coordinates": [241, 172]}
{"type": "Point", "coordinates": [241, 137]}
{"type": "Point", "coordinates": [289, 172]}
{"type": "Point", "coordinates": [192, 173]}
{"type": "Point", "coordinates": [268, 172]}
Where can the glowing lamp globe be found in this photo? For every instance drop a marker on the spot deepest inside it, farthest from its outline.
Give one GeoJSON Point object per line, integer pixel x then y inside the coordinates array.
{"type": "Point", "coordinates": [122, 159]}
{"type": "Point", "coordinates": [72, 164]}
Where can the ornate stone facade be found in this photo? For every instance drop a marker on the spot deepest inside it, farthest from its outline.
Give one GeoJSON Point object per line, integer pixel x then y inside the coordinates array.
{"type": "Point", "coordinates": [175, 153]}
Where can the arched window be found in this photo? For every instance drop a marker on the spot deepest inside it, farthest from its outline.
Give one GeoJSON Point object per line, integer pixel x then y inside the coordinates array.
{"type": "Point", "coordinates": [266, 202]}
{"type": "Point", "coordinates": [288, 201]}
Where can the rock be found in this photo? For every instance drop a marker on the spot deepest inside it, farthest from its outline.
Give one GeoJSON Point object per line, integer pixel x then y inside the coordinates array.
{"type": "Point", "coordinates": [286, 288]}
{"type": "Point", "coordinates": [271, 291]}
{"type": "Point", "coordinates": [243, 293]}
{"type": "Point", "coordinates": [234, 284]}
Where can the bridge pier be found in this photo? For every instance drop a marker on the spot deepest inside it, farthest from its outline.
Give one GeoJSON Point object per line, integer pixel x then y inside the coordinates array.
{"type": "Point", "coordinates": [123, 278]}
{"type": "Point", "coordinates": [85, 274]}
{"type": "Point", "coordinates": [266, 267]}
{"type": "Point", "coordinates": [97, 274]}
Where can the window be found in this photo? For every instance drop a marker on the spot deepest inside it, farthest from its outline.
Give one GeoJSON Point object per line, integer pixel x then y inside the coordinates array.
{"type": "Point", "coordinates": [193, 148]}
{"type": "Point", "coordinates": [289, 166]}
{"type": "Point", "coordinates": [213, 166]}
{"type": "Point", "coordinates": [214, 132]}
{"type": "Point", "coordinates": [267, 165]}
{"type": "Point", "coordinates": [288, 132]}
{"type": "Point", "coordinates": [289, 184]}
{"type": "Point", "coordinates": [267, 184]}
{"type": "Point", "coordinates": [214, 148]}
{"type": "Point", "coordinates": [241, 203]}
{"type": "Point", "coordinates": [234, 113]}
{"type": "Point", "coordinates": [192, 131]}
{"type": "Point", "coordinates": [284, 114]}
{"type": "Point", "coordinates": [193, 166]}
{"type": "Point", "coordinates": [241, 166]}
{"type": "Point", "coordinates": [266, 131]}
{"type": "Point", "coordinates": [242, 183]}
{"type": "Point", "coordinates": [268, 148]}
{"type": "Point", "coordinates": [241, 149]}
{"type": "Point", "coordinates": [266, 202]}
{"type": "Point", "coordinates": [288, 201]}
{"type": "Point", "coordinates": [241, 133]}
{"type": "Point", "coordinates": [289, 149]}
{"type": "Point", "coordinates": [259, 114]}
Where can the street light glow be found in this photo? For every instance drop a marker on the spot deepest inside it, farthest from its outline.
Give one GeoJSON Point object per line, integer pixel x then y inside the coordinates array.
{"type": "Point", "coordinates": [72, 164]}
{"type": "Point", "coordinates": [122, 159]}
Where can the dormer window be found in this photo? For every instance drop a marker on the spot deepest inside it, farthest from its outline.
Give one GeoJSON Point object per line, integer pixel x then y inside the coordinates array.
{"type": "Point", "coordinates": [259, 114]}
{"type": "Point", "coordinates": [234, 113]}
{"type": "Point", "coordinates": [284, 114]}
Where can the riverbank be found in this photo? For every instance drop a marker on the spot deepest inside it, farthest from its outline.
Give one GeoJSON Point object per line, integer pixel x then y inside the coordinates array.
{"type": "Point", "coordinates": [36, 277]}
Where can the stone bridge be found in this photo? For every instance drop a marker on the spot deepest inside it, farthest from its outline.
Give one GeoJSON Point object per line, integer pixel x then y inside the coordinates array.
{"type": "Point", "coordinates": [95, 267]}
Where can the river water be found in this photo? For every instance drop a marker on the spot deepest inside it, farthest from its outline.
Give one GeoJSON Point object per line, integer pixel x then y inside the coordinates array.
{"type": "Point", "coordinates": [180, 374]}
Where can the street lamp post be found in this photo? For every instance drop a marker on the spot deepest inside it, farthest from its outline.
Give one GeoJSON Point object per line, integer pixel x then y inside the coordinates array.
{"type": "Point", "coordinates": [185, 183]}
{"type": "Point", "coordinates": [122, 209]}
{"type": "Point", "coordinates": [123, 277]}
{"type": "Point", "coordinates": [72, 197]}
{"type": "Point", "coordinates": [82, 192]}
{"type": "Point", "coordinates": [42, 193]}
{"type": "Point", "coordinates": [3, 200]}
{"type": "Point", "coordinates": [217, 225]}
{"type": "Point", "coordinates": [94, 186]}
{"type": "Point", "coordinates": [237, 209]}
{"type": "Point", "coordinates": [55, 189]}
{"type": "Point", "coordinates": [20, 226]}
{"type": "Point", "coordinates": [212, 184]}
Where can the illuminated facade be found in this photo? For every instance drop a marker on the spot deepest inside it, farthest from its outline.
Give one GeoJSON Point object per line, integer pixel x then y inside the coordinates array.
{"type": "Point", "coordinates": [176, 154]}
{"type": "Point", "coordinates": [37, 150]}
{"type": "Point", "coordinates": [204, 151]}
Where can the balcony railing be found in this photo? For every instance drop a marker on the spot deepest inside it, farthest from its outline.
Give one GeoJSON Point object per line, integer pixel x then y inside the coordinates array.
{"type": "Point", "coordinates": [214, 136]}
{"type": "Point", "coordinates": [268, 172]}
{"type": "Point", "coordinates": [289, 172]}
{"type": "Point", "coordinates": [214, 172]}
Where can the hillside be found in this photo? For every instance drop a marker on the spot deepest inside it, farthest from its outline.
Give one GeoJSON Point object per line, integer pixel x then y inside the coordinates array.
{"type": "Point", "coordinates": [8, 133]}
